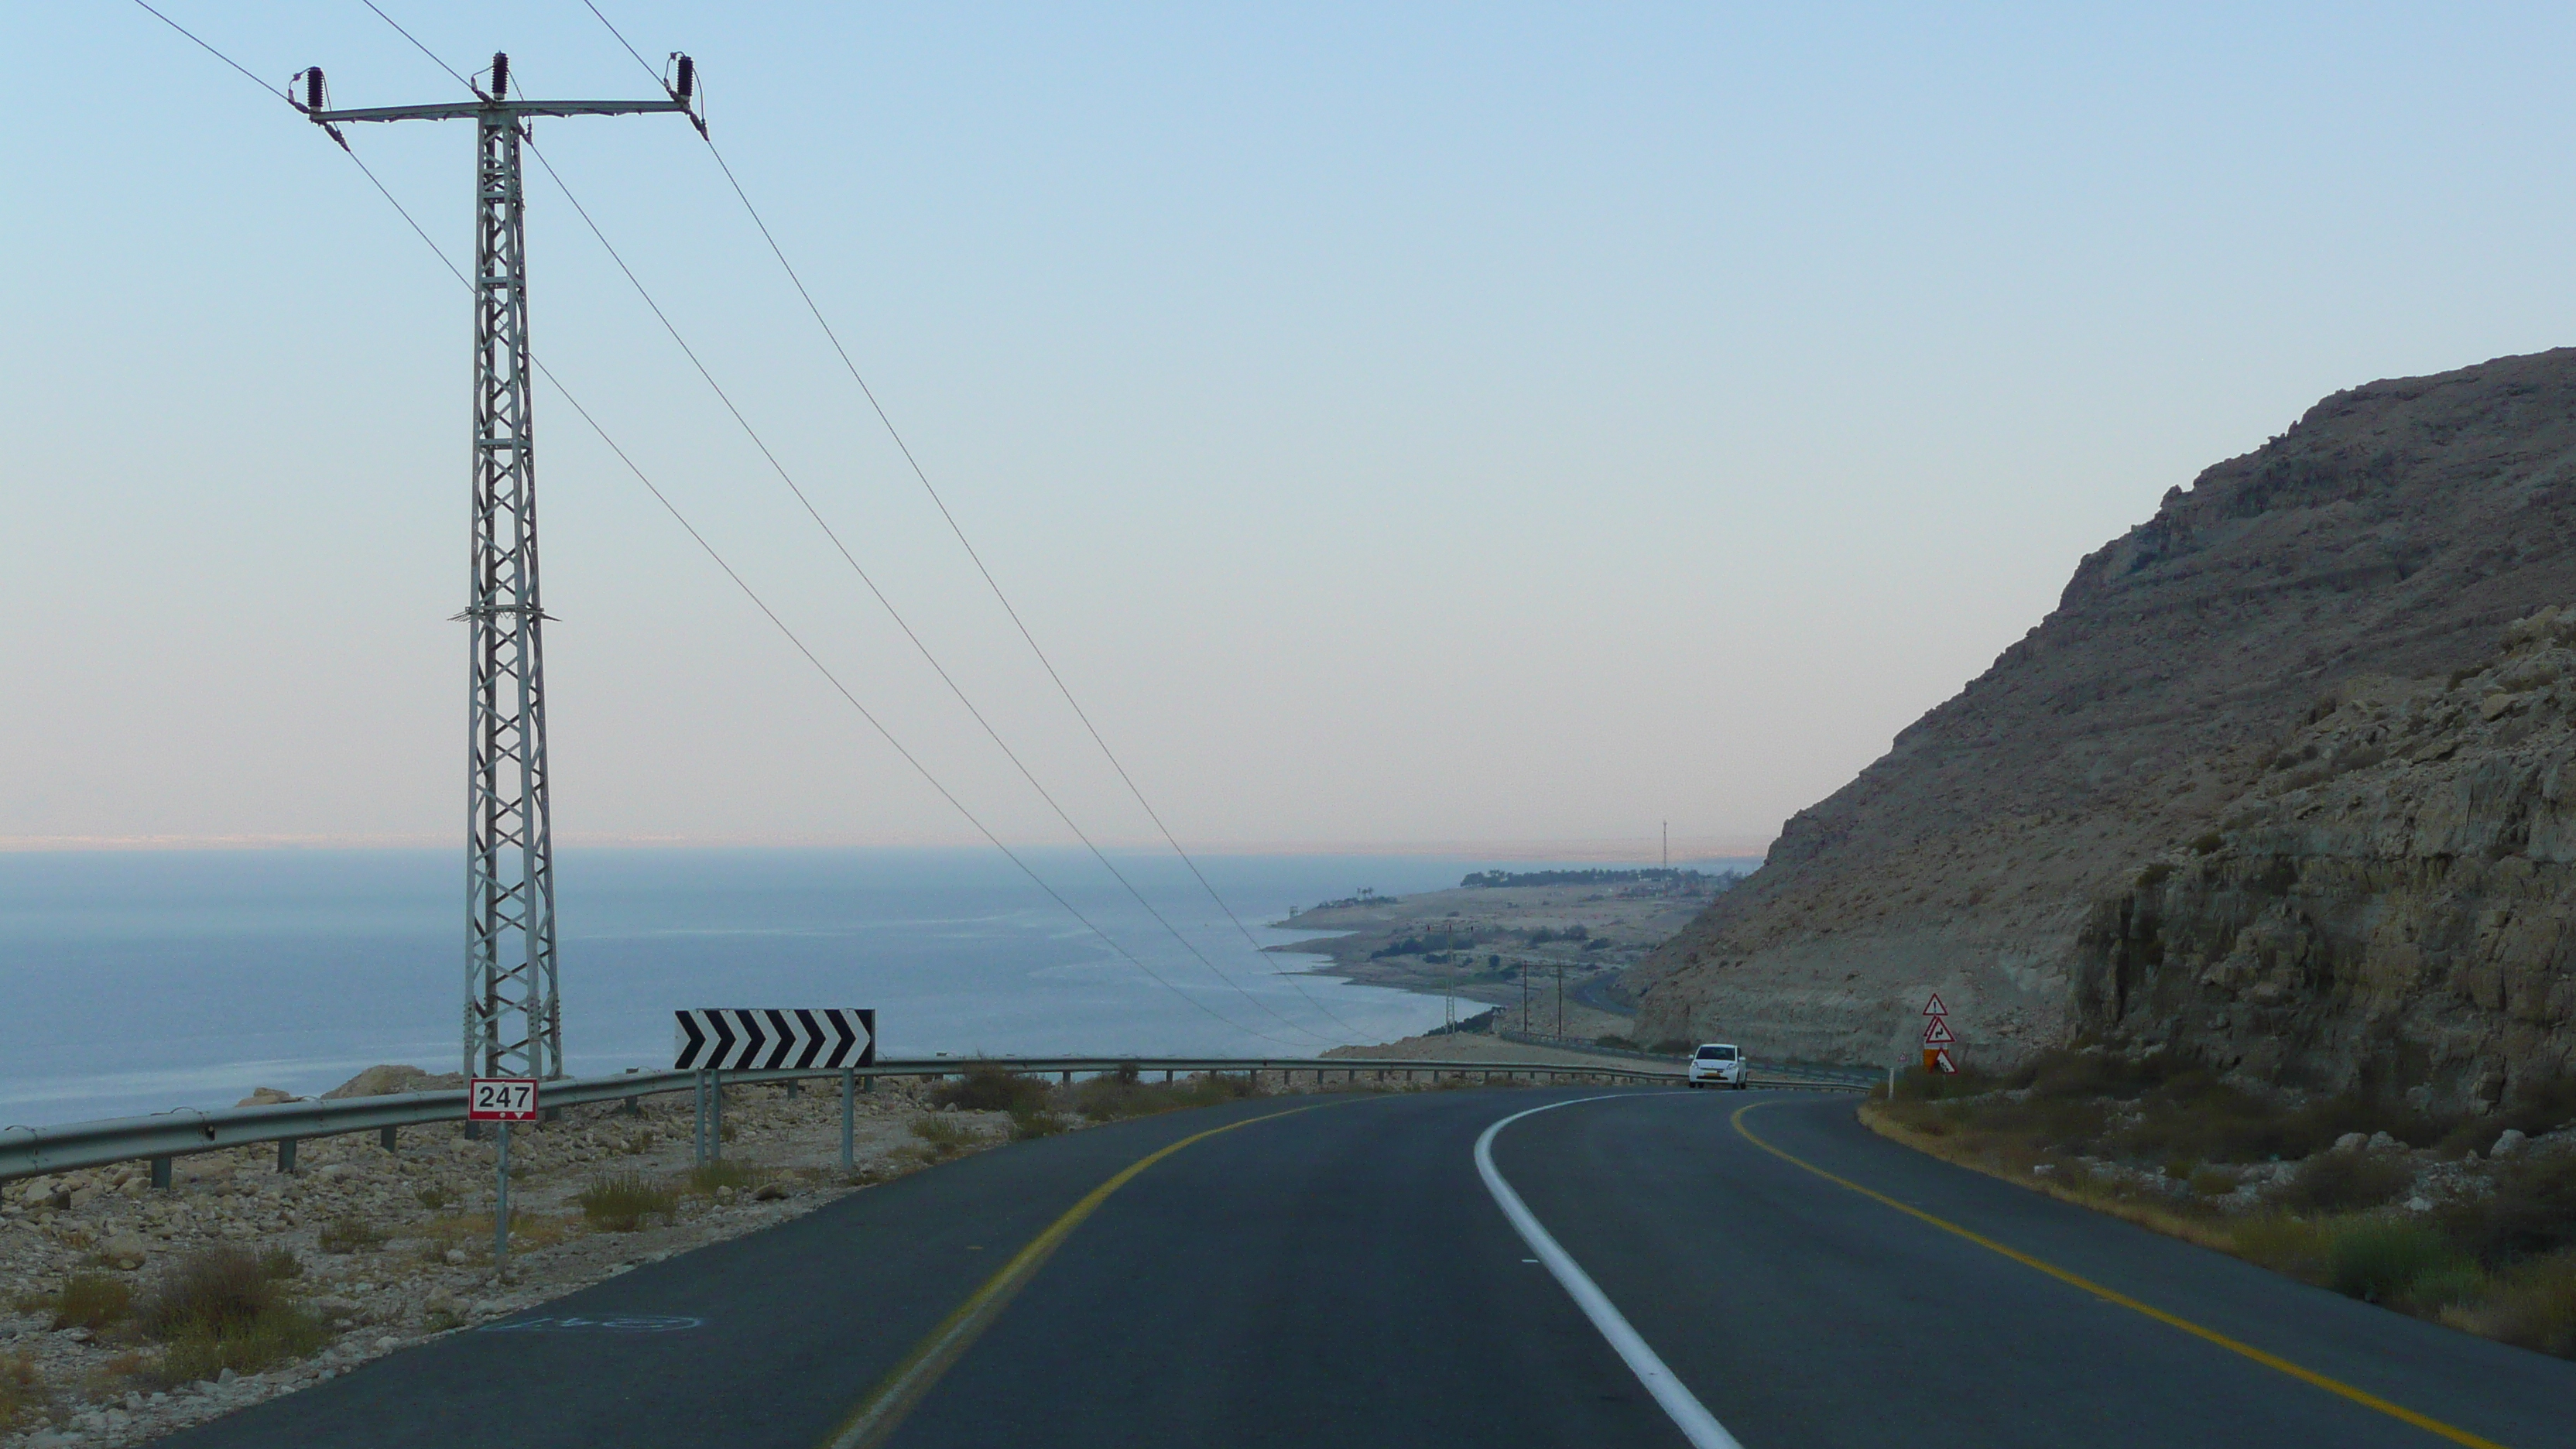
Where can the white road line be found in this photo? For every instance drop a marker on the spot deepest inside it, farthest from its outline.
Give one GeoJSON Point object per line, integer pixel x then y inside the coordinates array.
{"type": "Point", "coordinates": [1692, 1417]}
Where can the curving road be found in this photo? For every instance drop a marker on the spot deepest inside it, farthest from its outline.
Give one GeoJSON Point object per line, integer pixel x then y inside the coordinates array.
{"type": "Point", "coordinates": [1306, 1271]}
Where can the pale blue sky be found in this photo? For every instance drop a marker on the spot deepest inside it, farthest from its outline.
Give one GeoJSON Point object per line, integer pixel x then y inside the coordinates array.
{"type": "Point", "coordinates": [1403, 423]}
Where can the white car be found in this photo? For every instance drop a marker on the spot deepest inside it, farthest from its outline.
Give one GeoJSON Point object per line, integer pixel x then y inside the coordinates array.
{"type": "Point", "coordinates": [1718, 1064]}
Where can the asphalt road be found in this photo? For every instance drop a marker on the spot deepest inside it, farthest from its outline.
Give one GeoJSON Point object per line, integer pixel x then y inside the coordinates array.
{"type": "Point", "coordinates": [1342, 1275]}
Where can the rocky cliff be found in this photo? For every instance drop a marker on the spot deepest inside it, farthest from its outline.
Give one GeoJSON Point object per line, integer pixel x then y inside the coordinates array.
{"type": "Point", "coordinates": [2387, 536]}
{"type": "Point", "coordinates": [2388, 907]}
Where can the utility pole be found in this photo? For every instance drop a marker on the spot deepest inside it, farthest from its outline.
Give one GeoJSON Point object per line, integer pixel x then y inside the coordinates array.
{"type": "Point", "coordinates": [513, 1016]}
{"type": "Point", "coordinates": [1525, 1021]}
{"type": "Point", "coordinates": [1560, 1001]}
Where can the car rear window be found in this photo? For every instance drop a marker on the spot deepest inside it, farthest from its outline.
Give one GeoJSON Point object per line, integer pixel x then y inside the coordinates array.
{"type": "Point", "coordinates": [1717, 1054]}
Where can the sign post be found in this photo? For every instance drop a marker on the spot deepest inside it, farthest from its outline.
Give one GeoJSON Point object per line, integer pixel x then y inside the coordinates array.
{"type": "Point", "coordinates": [712, 1040]}
{"type": "Point", "coordinates": [502, 1101]}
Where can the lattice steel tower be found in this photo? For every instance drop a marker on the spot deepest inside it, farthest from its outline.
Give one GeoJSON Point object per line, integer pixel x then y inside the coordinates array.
{"type": "Point", "coordinates": [513, 1016]}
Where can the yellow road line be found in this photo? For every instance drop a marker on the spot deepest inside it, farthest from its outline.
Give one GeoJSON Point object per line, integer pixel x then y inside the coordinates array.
{"type": "Point", "coordinates": [2334, 1386]}
{"type": "Point", "coordinates": [895, 1395]}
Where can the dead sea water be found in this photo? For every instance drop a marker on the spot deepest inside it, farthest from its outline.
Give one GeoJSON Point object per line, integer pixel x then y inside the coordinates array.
{"type": "Point", "coordinates": [138, 981]}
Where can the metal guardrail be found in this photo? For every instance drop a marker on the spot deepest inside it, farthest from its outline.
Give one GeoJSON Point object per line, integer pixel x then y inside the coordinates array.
{"type": "Point", "coordinates": [1823, 1076]}
{"type": "Point", "coordinates": [26, 1151]}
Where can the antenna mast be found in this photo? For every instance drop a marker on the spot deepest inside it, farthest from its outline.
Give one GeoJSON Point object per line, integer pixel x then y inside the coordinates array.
{"type": "Point", "coordinates": [513, 1014]}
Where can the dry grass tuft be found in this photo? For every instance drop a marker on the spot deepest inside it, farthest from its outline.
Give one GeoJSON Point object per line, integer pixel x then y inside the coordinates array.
{"type": "Point", "coordinates": [349, 1234]}
{"type": "Point", "coordinates": [22, 1393]}
{"type": "Point", "coordinates": [623, 1202]}
{"type": "Point", "coordinates": [225, 1309]}
{"type": "Point", "coordinates": [90, 1300]}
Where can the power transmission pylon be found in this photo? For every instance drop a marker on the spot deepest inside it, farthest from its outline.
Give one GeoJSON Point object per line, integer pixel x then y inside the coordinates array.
{"type": "Point", "coordinates": [513, 1014]}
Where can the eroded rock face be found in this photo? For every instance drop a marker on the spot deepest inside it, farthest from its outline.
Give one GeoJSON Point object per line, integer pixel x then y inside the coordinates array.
{"type": "Point", "coordinates": [2389, 905]}
{"type": "Point", "coordinates": [2392, 532]}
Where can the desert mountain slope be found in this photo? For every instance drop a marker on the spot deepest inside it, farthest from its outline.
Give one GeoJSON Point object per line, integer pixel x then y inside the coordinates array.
{"type": "Point", "coordinates": [2392, 531]}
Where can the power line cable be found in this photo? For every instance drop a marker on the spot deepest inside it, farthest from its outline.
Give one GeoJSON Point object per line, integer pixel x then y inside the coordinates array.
{"type": "Point", "coordinates": [738, 581]}
{"type": "Point", "coordinates": [955, 528]}
{"type": "Point", "coordinates": [828, 532]}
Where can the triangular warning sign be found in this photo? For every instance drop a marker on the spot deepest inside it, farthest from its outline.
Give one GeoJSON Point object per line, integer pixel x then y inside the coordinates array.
{"type": "Point", "coordinates": [1937, 1033]}
{"type": "Point", "coordinates": [1934, 1006]}
{"type": "Point", "coordinates": [1941, 1061]}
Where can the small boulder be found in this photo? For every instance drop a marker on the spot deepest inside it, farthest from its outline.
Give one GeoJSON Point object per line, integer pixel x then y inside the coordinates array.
{"type": "Point", "coordinates": [266, 1097]}
{"type": "Point", "coordinates": [2509, 1142]}
{"type": "Point", "coordinates": [2382, 1142]}
{"type": "Point", "coordinates": [2351, 1142]}
{"type": "Point", "coordinates": [770, 1192]}
{"type": "Point", "coordinates": [456, 1257]}
{"type": "Point", "coordinates": [126, 1250]}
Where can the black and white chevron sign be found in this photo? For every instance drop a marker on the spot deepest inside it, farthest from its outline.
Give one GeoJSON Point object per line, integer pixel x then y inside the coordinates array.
{"type": "Point", "coordinates": [751, 1039]}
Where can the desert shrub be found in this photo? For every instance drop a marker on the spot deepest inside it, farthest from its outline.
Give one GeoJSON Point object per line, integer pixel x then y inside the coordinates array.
{"type": "Point", "coordinates": [2340, 1182]}
{"type": "Point", "coordinates": [944, 1138]}
{"type": "Point", "coordinates": [2533, 1306]}
{"type": "Point", "coordinates": [1674, 1046]}
{"type": "Point", "coordinates": [2296, 1246]}
{"type": "Point", "coordinates": [225, 1309]}
{"type": "Point", "coordinates": [1615, 1040]}
{"type": "Point", "coordinates": [2381, 1261]}
{"type": "Point", "coordinates": [987, 1088]}
{"type": "Point", "coordinates": [2208, 843]}
{"type": "Point", "coordinates": [1110, 1099]}
{"type": "Point", "coordinates": [89, 1300]}
{"type": "Point", "coordinates": [21, 1392]}
{"type": "Point", "coordinates": [1917, 1085]}
{"type": "Point", "coordinates": [706, 1177]}
{"type": "Point", "coordinates": [2531, 1212]}
{"type": "Point", "coordinates": [1027, 1126]}
{"type": "Point", "coordinates": [435, 1198]}
{"type": "Point", "coordinates": [348, 1234]}
{"type": "Point", "coordinates": [2209, 1181]}
{"type": "Point", "coordinates": [623, 1202]}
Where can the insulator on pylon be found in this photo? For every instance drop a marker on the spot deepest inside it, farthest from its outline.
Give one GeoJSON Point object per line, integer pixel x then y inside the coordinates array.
{"type": "Point", "coordinates": [313, 89]}
{"type": "Point", "coordinates": [688, 77]}
{"type": "Point", "coordinates": [500, 75]}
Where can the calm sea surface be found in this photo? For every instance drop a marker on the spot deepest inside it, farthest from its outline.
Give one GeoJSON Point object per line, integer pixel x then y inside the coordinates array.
{"type": "Point", "coordinates": [135, 981]}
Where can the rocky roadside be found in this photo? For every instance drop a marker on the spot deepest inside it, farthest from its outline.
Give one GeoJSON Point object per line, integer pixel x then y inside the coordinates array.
{"type": "Point", "coordinates": [390, 1249]}
{"type": "Point", "coordinates": [394, 1247]}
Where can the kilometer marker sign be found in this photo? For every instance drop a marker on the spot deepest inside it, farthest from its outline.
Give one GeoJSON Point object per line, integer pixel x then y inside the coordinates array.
{"type": "Point", "coordinates": [501, 1099]}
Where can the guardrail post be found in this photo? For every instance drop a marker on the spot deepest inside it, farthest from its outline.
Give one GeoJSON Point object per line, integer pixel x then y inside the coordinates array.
{"type": "Point", "coordinates": [161, 1173]}
{"type": "Point", "coordinates": [385, 1139]}
{"type": "Point", "coordinates": [1167, 1074]}
{"type": "Point", "coordinates": [849, 1114]}
{"type": "Point", "coordinates": [1068, 1079]}
{"type": "Point", "coordinates": [698, 1123]}
{"type": "Point", "coordinates": [286, 1154]}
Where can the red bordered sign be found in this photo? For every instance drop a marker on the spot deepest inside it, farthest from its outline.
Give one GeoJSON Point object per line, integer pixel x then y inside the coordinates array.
{"type": "Point", "coordinates": [501, 1099]}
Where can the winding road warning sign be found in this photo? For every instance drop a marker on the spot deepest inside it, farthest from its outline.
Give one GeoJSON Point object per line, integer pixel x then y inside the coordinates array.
{"type": "Point", "coordinates": [734, 1039]}
{"type": "Point", "coordinates": [1937, 1033]}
